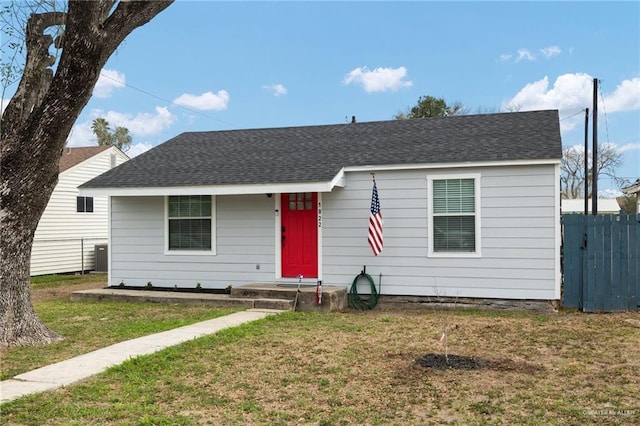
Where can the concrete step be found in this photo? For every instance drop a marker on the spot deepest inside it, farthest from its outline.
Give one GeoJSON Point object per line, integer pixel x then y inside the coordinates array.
{"type": "Point", "coordinates": [334, 298]}
{"type": "Point", "coordinates": [278, 304]}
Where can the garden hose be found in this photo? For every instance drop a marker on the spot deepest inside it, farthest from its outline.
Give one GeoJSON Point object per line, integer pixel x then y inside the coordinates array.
{"type": "Point", "coordinates": [359, 302]}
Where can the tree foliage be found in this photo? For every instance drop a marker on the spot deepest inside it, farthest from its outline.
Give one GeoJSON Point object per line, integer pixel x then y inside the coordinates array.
{"type": "Point", "coordinates": [572, 174]}
{"type": "Point", "coordinates": [628, 203]}
{"type": "Point", "coordinates": [52, 91]}
{"type": "Point", "coordinates": [120, 137]}
{"type": "Point", "coordinates": [429, 106]}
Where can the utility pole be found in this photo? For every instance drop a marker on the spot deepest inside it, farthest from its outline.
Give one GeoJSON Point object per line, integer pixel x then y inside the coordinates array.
{"type": "Point", "coordinates": [594, 167]}
{"type": "Point", "coordinates": [586, 161]}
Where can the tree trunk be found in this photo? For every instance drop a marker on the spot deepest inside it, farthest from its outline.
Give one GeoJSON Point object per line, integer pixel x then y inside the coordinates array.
{"type": "Point", "coordinates": [33, 132]}
{"type": "Point", "coordinates": [20, 325]}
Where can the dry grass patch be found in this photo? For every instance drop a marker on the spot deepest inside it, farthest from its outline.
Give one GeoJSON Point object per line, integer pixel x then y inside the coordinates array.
{"type": "Point", "coordinates": [90, 325]}
{"type": "Point", "coordinates": [360, 368]}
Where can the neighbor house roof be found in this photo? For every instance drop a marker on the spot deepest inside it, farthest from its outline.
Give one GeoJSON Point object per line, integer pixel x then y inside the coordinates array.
{"type": "Point", "coordinates": [72, 156]}
{"type": "Point", "coordinates": [633, 188]}
{"type": "Point", "coordinates": [319, 153]}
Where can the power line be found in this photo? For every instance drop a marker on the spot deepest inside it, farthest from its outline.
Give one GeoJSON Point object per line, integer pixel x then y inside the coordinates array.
{"type": "Point", "coordinates": [573, 115]}
{"type": "Point", "coordinates": [164, 100]}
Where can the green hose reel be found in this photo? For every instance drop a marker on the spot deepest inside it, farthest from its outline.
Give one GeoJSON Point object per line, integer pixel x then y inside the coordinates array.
{"type": "Point", "coordinates": [363, 302]}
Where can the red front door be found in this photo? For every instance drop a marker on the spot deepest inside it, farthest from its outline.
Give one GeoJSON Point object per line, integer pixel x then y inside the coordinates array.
{"type": "Point", "coordinates": [300, 235]}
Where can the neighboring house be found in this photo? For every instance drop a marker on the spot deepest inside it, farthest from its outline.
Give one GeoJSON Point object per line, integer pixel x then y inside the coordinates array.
{"type": "Point", "coordinates": [634, 189]}
{"type": "Point", "coordinates": [72, 225]}
{"type": "Point", "coordinates": [471, 207]}
{"type": "Point", "coordinates": [605, 206]}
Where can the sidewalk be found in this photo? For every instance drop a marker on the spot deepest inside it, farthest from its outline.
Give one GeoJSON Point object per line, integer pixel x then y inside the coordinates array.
{"type": "Point", "coordinates": [66, 372]}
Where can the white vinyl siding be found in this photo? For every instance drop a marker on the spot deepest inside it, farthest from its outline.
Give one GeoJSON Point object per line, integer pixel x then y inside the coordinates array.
{"type": "Point", "coordinates": [518, 207]}
{"type": "Point", "coordinates": [65, 239]}
{"type": "Point", "coordinates": [517, 235]}
{"type": "Point", "coordinates": [454, 215]}
{"type": "Point", "coordinates": [244, 243]}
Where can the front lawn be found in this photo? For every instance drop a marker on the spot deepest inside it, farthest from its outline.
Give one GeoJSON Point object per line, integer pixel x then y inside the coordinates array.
{"type": "Point", "coordinates": [360, 368]}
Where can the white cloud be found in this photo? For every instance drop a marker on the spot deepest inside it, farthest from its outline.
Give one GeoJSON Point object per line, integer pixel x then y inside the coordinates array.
{"type": "Point", "coordinates": [138, 148]}
{"type": "Point", "coordinates": [82, 135]}
{"type": "Point", "coordinates": [108, 81]}
{"type": "Point", "coordinates": [610, 193]}
{"type": "Point", "coordinates": [626, 97]}
{"type": "Point", "coordinates": [579, 148]}
{"type": "Point", "coordinates": [206, 101]}
{"type": "Point", "coordinates": [4, 104]}
{"type": "Point", "coordinates": [525, 54]}
{"type": "Point", "coordinates": [550, 52]}
{"type": "Point", "coordinates": [629, 147]}
{"type": "Point", "coordinates": [379, 79]}
{"type": "Point", "coordinates": [276, 89]}
{"type": "Point", "coordinates": [142, 124]}
{"type": "Point", "coordinates": [571, 93]}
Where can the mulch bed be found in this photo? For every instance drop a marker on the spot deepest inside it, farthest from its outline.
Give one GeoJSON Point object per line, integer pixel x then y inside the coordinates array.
{"type": "Point", "coordinates": [461, 362]}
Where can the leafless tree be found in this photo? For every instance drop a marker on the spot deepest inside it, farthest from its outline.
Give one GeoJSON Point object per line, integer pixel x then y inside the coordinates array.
{"type": "Point", "coordinates": [572, 176]}
{"type": "Point", "coordinates": [34, 128]}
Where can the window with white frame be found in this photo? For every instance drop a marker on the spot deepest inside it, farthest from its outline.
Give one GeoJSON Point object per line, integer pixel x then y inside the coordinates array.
{"type": "Point", "coordinates": [454, 216]}
{"type": "Point", "coordinates": [190, 223]}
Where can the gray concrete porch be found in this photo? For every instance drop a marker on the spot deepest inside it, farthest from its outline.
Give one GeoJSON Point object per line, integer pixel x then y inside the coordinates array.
{"type": "Point", "coordinates": [278, 296]}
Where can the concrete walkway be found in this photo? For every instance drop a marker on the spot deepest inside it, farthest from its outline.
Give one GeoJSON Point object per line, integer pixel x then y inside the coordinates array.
{"type": "Point", "coordinates": [66, 372]}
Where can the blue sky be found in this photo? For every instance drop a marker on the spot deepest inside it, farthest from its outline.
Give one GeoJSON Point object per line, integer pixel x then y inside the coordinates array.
{"type": "Point", "coordinates": [205, 65]}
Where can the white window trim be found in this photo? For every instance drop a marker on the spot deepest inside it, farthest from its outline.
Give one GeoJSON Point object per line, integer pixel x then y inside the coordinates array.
{"type": "Point", "coordinates": [430, 179]}
{"type": "Point", "coordinates": [211, 252]}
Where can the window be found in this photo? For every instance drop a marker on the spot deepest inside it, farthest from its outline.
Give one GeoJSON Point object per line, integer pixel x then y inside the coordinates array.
{"type": "Point", "coordinates": [84, 204]}
{"type": "Point", "coordinates": [454, 215]}
{"type": "Point", "coordinates": [190, 220]}
{"type": "Point", "coordinates": [301, 201]}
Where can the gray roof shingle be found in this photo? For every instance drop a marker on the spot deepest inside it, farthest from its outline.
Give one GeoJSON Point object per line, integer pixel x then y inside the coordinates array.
{"type": "Point", "coordinates": [317, 153]}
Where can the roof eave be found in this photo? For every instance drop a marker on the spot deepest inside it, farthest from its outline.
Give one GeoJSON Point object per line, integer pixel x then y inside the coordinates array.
{"type": "Point", "coordinates": [266, 188]}
{"type": "Point", "coordinates": [630, 190]}
{"type": "Point", "coordinates": [465, 164]}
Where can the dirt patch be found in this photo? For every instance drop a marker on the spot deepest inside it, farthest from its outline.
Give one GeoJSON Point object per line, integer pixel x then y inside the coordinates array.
{"type": "Point", "coordinates": [62, 291]}
{"type": "Point", "coordinates": [461, 362]}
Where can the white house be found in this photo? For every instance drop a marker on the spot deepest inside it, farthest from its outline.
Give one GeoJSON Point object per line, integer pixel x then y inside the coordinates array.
{"type": "Point", "coordinates": [605, 206]}
{"type": "Point", "coordinates": [471, 207]}
{"type": "Point", "coordinates": [72, 225]}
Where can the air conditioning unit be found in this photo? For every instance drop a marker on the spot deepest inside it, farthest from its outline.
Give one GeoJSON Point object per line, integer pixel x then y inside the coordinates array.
{"type": "Point", "coordinates": [102, 257]}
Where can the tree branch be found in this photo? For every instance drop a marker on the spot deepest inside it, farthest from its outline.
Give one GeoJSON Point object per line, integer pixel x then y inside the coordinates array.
{"type": "Point", "coordinates": [37, 74]}
{"type": "Point", "coordinates": [131, 14]}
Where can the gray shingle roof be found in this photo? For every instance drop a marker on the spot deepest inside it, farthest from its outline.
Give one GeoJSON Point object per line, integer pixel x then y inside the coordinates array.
{"type": "Point", "coordinates": [317, 153]}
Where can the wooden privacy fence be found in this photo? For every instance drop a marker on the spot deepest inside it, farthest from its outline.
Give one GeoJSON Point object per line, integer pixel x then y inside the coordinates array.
{"type": "Point", "coordinates": [601, 262]}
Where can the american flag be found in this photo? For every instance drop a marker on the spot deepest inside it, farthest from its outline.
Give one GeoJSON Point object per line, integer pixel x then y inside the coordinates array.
{"type": "Point", "coordinates": [375, 222]}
